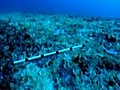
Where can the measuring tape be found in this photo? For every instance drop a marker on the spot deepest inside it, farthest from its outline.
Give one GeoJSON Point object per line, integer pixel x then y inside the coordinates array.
{"type": "Point", "coordinates": [47, 54]}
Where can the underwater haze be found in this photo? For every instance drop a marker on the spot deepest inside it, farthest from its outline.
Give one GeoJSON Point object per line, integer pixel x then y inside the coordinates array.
{"type": "Point", "coordinates": [102, 8]}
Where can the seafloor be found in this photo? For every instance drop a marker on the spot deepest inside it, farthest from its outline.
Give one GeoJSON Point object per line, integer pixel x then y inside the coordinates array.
{"type": "Point", "coordinates": [95, 66]}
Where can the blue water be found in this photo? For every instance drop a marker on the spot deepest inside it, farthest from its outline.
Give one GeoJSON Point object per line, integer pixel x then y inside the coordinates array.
{"type": "Point", "coordinates": [103, 8]}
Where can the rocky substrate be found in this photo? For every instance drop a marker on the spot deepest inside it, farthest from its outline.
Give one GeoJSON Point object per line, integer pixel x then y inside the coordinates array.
{"type": "Point", "coordinates": [96, 66]}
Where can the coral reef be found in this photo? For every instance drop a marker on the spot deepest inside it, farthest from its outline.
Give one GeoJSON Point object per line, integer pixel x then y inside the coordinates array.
{"type": "Point", "coordinates": [95, 66]}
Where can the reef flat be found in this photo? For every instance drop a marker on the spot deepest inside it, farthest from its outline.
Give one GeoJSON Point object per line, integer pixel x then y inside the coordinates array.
{"type": "Point", "coordinates": [95, 66]}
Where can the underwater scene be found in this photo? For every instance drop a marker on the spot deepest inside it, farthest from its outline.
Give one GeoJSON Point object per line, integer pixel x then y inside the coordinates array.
{"type": "Point", "coordinates": [59, 44]}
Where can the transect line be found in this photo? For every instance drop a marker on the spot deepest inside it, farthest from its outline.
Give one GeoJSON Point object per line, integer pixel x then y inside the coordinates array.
{"type": "Point", "coordinates": [47, 54]}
